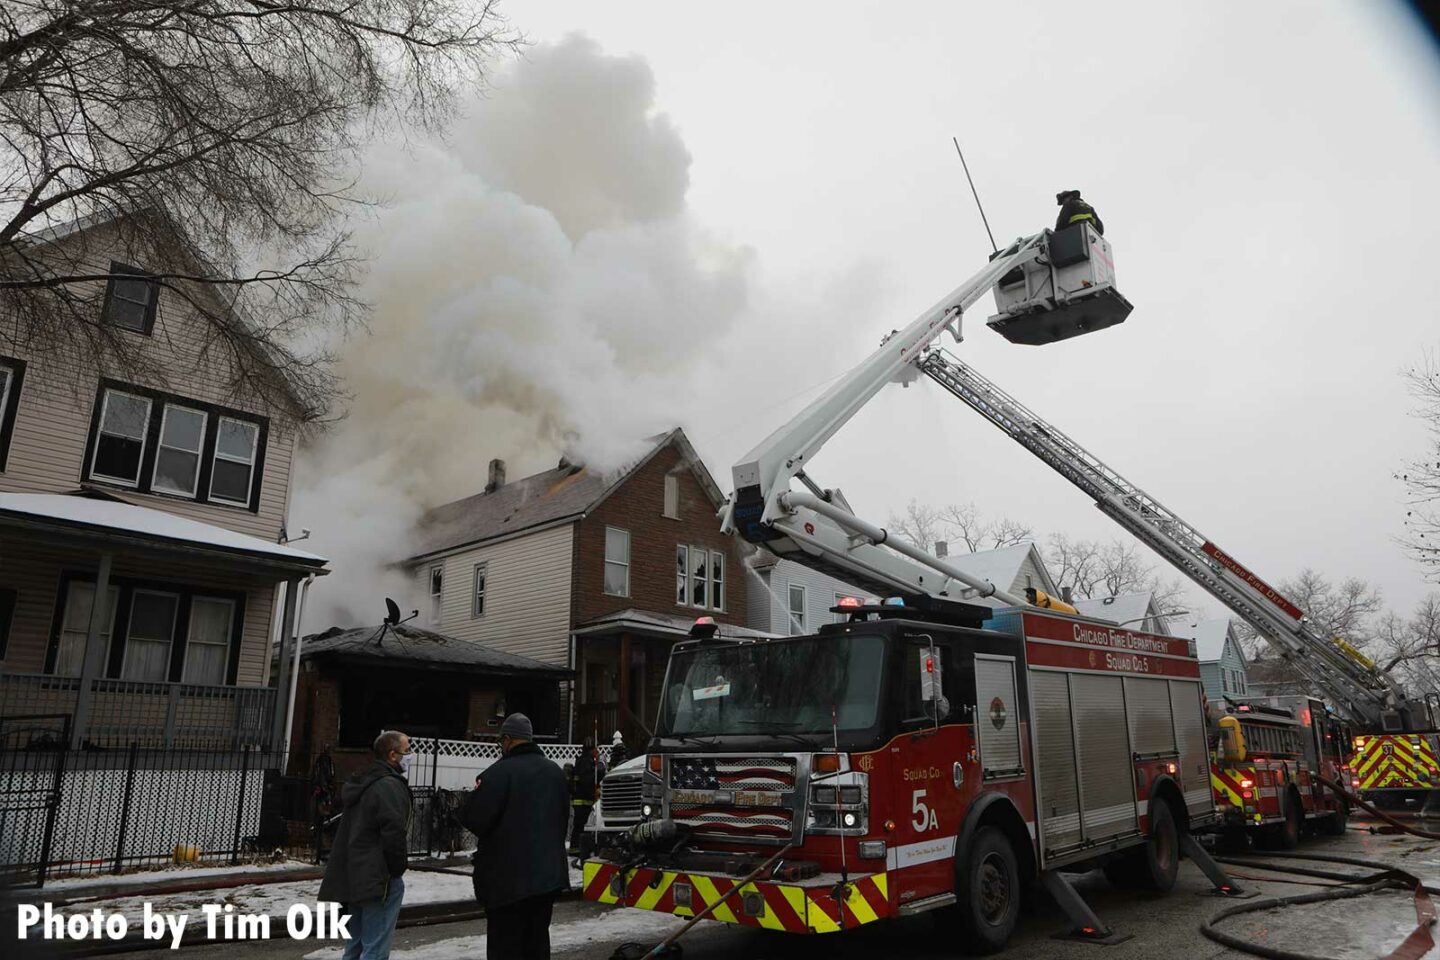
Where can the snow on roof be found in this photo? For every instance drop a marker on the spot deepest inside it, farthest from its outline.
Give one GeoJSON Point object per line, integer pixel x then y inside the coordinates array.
{"type": "Point", "coordinates": [664, 623]}
{"type": "Point", "coordinates": [1000, 566]}
{"type": "Point", "coordinates": [1123, 609]}
{"type": "Point", "coordinates": [127, 518]}
{"type": "Point", "coordinates": [414, 644]}
{"type": "Point", "coordinates": [1209, 637]}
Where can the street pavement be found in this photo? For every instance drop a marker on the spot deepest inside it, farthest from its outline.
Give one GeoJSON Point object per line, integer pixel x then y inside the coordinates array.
{"type": "Point", "coordinates": [1164, 926]}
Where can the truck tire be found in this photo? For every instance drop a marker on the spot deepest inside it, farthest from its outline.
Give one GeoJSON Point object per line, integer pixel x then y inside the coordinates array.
{"type": "Point", "coordinates": [987, 892]}
{"type": "Point", "coordinates": [1154, 865]}
{"type": "Point", "coordinates": [1287, 833]}
{"type": "Point", "coordinates": [1334, 824]}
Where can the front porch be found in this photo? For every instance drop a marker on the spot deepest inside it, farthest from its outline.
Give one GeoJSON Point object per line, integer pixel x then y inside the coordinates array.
{"type": "Point", "coordinates": [125, 625]}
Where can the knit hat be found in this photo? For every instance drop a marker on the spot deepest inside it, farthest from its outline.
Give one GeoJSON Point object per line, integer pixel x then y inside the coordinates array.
{"type": "Point", "coordinates": [517, 725]}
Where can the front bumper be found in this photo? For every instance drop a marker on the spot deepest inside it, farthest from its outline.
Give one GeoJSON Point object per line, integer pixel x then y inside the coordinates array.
{"type": "Point", "coordinates": [818, 905]}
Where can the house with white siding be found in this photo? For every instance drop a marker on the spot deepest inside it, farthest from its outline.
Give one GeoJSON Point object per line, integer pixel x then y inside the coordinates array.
{"type": "Point", "coordinates": [162, 491]}
{"type": "Point", "coordinates": [599, 573]}
{"type": "Point", "coordinates": [790, 598]}
{"type": "Point", "coordinates": [1016, 568]}
{"type": "Point", "coordinates": [1138, 611]}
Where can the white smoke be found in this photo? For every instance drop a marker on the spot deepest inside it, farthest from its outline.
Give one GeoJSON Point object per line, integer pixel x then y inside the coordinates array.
{"type": "Point", "coordinates": [539, 289]}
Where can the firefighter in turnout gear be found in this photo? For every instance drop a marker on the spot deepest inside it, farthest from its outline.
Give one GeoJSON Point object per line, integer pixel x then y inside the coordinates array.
{"type": "Point", "coordinates": [1075, 210]}
{"type": "Point", "coordinates": [585, 779]}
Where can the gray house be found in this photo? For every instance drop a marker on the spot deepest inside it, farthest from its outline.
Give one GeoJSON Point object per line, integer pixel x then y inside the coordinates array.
{"type": "Point", "coordinates": [792, 598]}
{"type": "Point", "coordinates": [1222, 661]}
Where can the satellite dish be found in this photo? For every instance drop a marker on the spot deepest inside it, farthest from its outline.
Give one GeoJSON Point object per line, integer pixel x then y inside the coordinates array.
{"type": "Point", "coordinates": [392, 611]}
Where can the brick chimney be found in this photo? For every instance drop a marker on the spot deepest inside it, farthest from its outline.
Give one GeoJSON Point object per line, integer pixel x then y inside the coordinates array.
{"type": "Point", "coordinates": [497, 476]}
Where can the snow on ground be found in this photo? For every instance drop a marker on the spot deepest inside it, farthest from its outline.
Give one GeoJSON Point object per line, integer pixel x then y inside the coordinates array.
{"type": "Point", "coordinates": [176, 874]}
{"type": "Point", "coordinates": [1352, 929]}
{"type": "Point", "coordinates": [274, 899]}
{"type": "Point", "coordinates": [610, 927]}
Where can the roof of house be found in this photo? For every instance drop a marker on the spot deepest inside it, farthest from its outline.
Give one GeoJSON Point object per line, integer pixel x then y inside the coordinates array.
{"type": "Point", "coordinates": [1124, 609]}
{"type": "Point", "coordinates": [564, 493]}
{"type": "Point", "coordinates": [87, 511]}
{"type": "Point", "coordinates": [661, 624]}
{"type": "Point", "coordinates": [423, 648]}
{"type": "Point", "coordinates": [1209, 637]}
{"type": "Point", "coordinates": [1002, 567]}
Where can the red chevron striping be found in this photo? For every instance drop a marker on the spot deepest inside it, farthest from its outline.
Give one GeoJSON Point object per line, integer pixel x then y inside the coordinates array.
{"type": "Point", "coordinates": [600, 883]}
{"type": "Point", "coordinates": [872, 895]}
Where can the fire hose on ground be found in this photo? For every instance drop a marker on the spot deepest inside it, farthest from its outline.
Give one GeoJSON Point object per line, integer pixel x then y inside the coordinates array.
{"type": "Point", "coordinates": [1418, 943]}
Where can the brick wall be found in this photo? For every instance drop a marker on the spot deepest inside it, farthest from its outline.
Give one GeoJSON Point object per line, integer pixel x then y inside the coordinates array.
{"type": "Point", "coordinates": [637, 507]}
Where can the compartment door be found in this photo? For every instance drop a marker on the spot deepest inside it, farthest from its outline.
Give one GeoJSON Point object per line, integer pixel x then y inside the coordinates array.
{"type": "Point", "coordinates": [1190, 741]}
{"type": "Point", "coordinates": [1059, 812]}
{"type": "Point", "coordinates": [997, 717]}
{"type": "Point", "coordinates": [1107, 772]}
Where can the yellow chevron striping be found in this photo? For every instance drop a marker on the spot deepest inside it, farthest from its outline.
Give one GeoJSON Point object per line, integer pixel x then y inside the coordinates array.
{"type": "Point", "coordinates": [768, 919]}
{"type": "Point", "coordinates": [705, 887]}
{"type": "Point", "coordinates": [881, 881]}
{"type": "Point", "coordinates": [796, 898]}
{"type": "Point", "coordinates": [859, 906]}
{"type": "Point", "coordinates": [816, 917]}
{"type": "Point", "coordinates": [652, 895]}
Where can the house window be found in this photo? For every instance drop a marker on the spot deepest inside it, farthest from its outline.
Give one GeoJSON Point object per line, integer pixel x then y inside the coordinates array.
{"type": "Point", "coordinates": [797, 607]}
{"type": "Point", "coordinates": [130, 298]}
{"type": "Point", "coordinates": [699, 576]}
{"type": "Point", "coordinates": [477, 605]}
{"type": "Point", "coordinates": [234, 461]}
{"type": "Point", "coordinates": [672, 497]}
{"type": "Point", "coordinates": [717, 580]}
{"type": "Point", "coordinates": [617, 562]}
{"type": "Point", "coordinates": [157, 443]}
{"type": "Point", "coordinates": [12, 373]}
{"type": "Point", "coordinates": [177, 461]}
{"type": "Point", "coordinates": [75, 628]}
{"type": "Point", "coordinates": [682, 574]}
{"type": "Point", "coordinates": [207, 654]}
{"type": "Point", "coordinates": [437, 591]}
{"type": "Point", "coordinates": [151, 632]}
{"type": "Point", "coordinates": [121, 441]}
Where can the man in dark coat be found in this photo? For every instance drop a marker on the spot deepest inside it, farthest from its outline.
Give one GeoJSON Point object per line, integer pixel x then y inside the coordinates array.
{"type": "Point", "coordinates": [367, 862]}
{"type": "Point", "coordinates": [1075, 210]}
{"type": "Point", "coordinates": [519, 814]}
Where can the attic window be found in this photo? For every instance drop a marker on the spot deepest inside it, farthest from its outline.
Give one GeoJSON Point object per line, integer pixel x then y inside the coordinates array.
{"type": "Point", "coordinates": [130, 298]}
{"type": "Point", "coordinates": [672, 497]}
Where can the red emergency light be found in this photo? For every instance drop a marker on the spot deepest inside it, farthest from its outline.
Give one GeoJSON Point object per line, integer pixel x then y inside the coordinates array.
{"type": "Point", "coordinates": [848, 602]}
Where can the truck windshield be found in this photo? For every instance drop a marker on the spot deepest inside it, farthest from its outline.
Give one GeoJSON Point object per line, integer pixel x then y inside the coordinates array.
{"type": "Point", "coordinates": [785, 686]}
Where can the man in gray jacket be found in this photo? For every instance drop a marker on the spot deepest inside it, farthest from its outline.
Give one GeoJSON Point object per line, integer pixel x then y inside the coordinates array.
{"type": "Point", "coordinates": [518, 813]}
{"type": "Point", "coordinates": [367, 862]}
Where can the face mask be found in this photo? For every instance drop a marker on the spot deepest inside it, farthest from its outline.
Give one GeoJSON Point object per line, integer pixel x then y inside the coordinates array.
{"type": "Point", "coordinates": [405, 763]}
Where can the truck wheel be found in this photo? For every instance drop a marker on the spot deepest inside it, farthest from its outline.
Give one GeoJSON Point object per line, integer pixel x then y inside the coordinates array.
{"type": "Point", "coordinates": [1159, 860]}
{"type": "Point", "coordinates": [987, 891]}
{"type": "Point", "coordinates": [1334, 824]}
{"type": "Point", "coordinates": [1287, 834]}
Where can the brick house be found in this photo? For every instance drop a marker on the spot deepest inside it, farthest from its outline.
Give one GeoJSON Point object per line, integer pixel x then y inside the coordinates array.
{"type": "Point", "coordinates": [166, 496]}
{"type": "Point", "coordinates": [597, 573]}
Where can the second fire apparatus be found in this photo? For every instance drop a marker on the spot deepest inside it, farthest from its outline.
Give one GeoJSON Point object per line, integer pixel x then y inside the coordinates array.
{"type": "Point", "coordinates": [1270, 751]}
{"type": "Point", "coordinates": [925, 755]}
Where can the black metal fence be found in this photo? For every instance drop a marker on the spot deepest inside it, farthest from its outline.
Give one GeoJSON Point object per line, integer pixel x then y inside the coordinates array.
{"type": "Point", "coordinates": [66, 812]}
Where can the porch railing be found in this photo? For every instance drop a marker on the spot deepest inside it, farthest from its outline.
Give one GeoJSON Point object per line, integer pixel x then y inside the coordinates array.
{"type": "Point", "coordinates": [122, 712]}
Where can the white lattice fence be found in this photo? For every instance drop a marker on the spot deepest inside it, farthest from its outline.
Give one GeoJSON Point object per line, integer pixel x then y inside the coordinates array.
{"type": "Point", "coordinates": [453, 764]}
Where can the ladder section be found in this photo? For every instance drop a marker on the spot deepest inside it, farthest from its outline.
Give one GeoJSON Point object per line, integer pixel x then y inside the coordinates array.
{"type": "Point", "coordinates": [1362, 693]}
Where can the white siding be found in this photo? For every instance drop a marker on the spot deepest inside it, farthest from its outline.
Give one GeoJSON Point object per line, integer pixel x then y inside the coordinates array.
{"type": "Point", "coordinates": [769, 610]}
{"type": "Point", "coordinates": [527, 595]}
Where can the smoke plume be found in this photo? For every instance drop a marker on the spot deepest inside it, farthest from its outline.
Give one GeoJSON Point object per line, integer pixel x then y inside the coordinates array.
{"type": "Point", "coordinates": [539, 289]}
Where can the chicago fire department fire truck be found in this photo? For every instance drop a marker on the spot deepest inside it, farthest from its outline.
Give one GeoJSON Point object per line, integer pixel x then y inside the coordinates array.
{"type": "Point", "coordinates": [928, 754]}
{"type": "Point", "coordinates": [1268, 755]}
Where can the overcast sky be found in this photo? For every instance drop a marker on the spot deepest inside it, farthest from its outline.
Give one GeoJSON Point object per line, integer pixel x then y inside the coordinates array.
{"type": "Point", "coordinates": [1267, 175]}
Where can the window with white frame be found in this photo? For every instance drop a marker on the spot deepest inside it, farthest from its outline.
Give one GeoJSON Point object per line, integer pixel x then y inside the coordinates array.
{"type": "Point", "coordinates": [699, 576]}
{"type": "Point", "coordinates": [177, 461]}
{"type": "Point", "coordinates": [75, 627]}
{"type": "Point", "coordinates": [149, 636]}
{"type": "Point", "coordinates": [12, 375]}
{"type": "Point", "coordinates": [234, 465]}
{"type": "Point", "coordinates": [477, 595]}
{"type": "Point", "coordinates": [437, 591]}
{"type": "Point", "coordinates": [796, 596]}
{"type": "Point", "coordinates": [207, 649]}
{"type": "Point", "coordinates": [617, 562]}
{"type": "Point", "coordinates": [717, 580]}
{"type": "Point", "coordinates": [120, 442]}
{"type": "Point", "coordinates": [671, 507]}
{"type": "Point", "coordinates": [682, 574]}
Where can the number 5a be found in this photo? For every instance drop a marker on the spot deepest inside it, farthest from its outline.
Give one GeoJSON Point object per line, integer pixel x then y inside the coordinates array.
{"type": "Point", "coordinates": [925, 818]}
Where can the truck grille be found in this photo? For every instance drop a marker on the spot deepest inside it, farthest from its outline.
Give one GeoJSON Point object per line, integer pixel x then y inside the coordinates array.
{"type": "Point", "coordinates": [734, 797]}
{"type": "Point", "coordinates": [620, 799]}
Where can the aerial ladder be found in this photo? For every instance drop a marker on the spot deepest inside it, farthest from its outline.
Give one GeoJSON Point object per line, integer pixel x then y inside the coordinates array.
{"type": "Point", "coordinates": [1047, 287]}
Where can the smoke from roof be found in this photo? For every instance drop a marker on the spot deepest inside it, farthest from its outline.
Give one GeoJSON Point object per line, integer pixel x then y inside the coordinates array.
{"type": "Point", "coordinates": [539, 290]}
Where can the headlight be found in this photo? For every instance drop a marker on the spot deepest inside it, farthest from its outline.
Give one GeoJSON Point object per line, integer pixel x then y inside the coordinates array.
{"type": "Point", "coordinates": [849, 794]}
{"type": "Point", "coordinates": [849, 819]}
{"type": "Point", "coordinates": [646, 810]}
{"type": "Point", "coordinates": [825, 796]}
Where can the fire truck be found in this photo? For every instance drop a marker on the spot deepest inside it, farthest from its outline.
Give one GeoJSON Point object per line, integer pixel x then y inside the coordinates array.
{"type": "Point", "coordinates": [931, 753]}
{"type": "Point", "coordinates": [1270, 753]}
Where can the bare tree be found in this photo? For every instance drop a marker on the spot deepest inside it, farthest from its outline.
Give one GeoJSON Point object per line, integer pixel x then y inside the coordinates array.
{"type": "Point", "coordinates": [964, 523]}
{"type": "Point", "coordinates": [219, 132]}
{"type": "Point", "coordinates": [1422, 475]}
{"type": "Point", "coordinates": [920, 525]}
{"type": "Point", "coordinates": [1075, 565]}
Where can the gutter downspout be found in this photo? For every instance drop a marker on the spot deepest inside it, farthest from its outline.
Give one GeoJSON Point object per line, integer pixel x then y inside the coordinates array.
{"type": "Point", "coordinates": [294, 671]}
